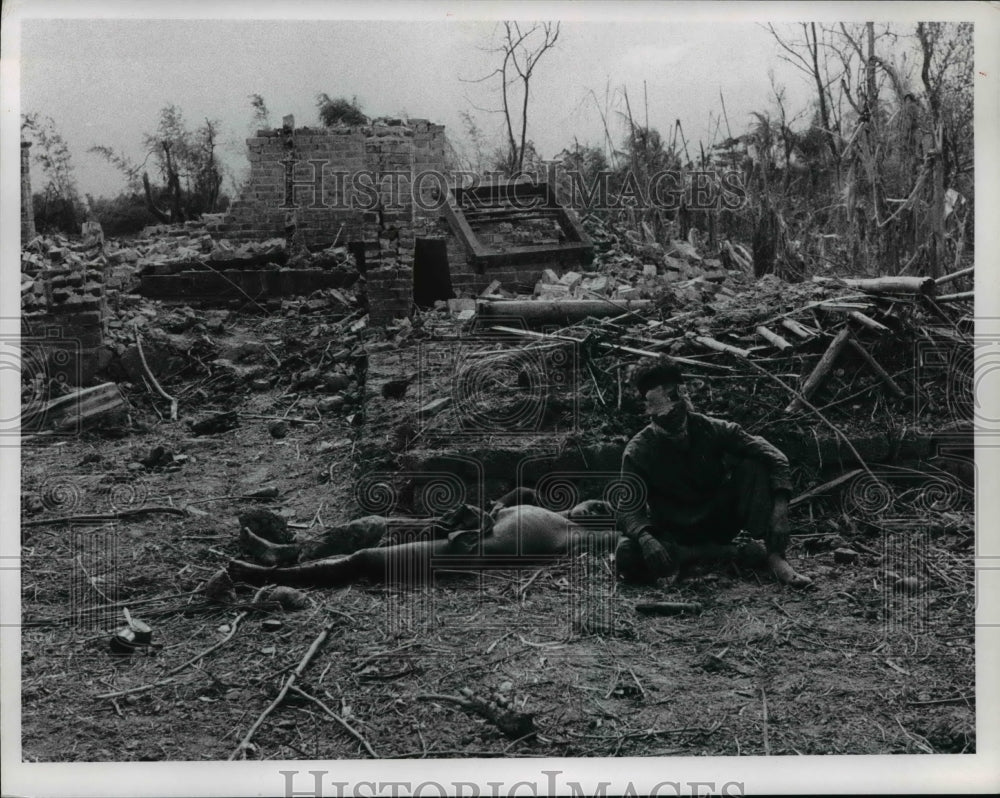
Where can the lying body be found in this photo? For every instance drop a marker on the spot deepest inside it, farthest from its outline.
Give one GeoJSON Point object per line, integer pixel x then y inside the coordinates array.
{"type": "Point", "coordinates": [524, 534]}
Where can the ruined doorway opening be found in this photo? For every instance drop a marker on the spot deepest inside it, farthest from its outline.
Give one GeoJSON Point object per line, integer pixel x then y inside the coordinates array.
{"type": "Point", "coordinates": [357, 249]}
{"type": "Point", "coordinates": [431, 275]}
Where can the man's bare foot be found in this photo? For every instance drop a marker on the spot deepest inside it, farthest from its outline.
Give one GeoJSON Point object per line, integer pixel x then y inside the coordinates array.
{"type": "Point", "coordinates": [267, 552]}
{"type": "Point", "coordinates": [785, 573]}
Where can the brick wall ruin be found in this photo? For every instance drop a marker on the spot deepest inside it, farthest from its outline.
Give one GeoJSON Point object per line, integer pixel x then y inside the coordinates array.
{"type": "Point", "coordinates": [310, 179]}
{"type": "Point", "coordinates": [355, 185]}
{"type": "Point", "coordinates": [63, 310]}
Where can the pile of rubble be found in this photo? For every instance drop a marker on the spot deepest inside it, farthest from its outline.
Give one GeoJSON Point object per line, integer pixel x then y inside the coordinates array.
{"type": "Point", "coordinates": [841, 357]}
{"type": "Point", "coordinates": [812, 347]}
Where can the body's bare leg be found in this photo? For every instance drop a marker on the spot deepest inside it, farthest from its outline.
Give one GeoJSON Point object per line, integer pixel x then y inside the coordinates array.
{"type": "Point", "coordinates": [267, 552]}
{"type": "Point", "coordinates": [323, 573]}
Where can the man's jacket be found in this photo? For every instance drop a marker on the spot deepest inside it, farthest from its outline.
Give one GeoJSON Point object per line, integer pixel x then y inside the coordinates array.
{"type": "Point", "coordinates": [685, 474]}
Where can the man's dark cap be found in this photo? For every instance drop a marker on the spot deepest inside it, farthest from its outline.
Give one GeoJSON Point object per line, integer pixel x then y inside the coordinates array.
{"type": "Point", "coordinates": [655, 372]}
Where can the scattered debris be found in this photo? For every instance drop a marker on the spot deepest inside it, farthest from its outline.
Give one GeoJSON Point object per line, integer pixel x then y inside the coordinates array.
{"type": "Point", "coordinates": [515, 725]}
{"type": "Point", "coordinates": [216, 423]}
{"type": "Point", "coordinates": [80, 409]}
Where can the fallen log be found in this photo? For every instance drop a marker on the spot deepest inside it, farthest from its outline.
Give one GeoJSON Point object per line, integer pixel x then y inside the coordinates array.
{"type": "Point", "coordinates": [867, 321]}
{"type": "Point", "coordinates": [571, 310]}
{"type": "Point", "coordinates": [884, 285]}
{"type": "Point", "coordinates": [773, 338]}
{"type": "Point", "coordinates": [718, 346]}
{"type": "Point", "coordinates": [819, 373]}
{"type": "Point", "coordinates": [796, 328]}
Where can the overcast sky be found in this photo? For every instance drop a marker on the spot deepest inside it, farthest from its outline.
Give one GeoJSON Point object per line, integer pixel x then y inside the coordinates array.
{"type": "Point", "coordinates": [103, 81]}
{"type": "Point", "coordinates": [103, 77]}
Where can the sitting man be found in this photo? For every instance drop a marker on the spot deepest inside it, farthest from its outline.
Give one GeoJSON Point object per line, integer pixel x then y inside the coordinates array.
{"type": "Point", "coordinates": [705, 480]}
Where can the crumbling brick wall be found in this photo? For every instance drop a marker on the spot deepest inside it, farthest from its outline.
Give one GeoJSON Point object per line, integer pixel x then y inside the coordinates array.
{"type": "Point", "coordinates": [345, 183]}
{"type": "Point", "coordinates": [348, 184]}
{"type": "Point", "coordinates": [63, 310]}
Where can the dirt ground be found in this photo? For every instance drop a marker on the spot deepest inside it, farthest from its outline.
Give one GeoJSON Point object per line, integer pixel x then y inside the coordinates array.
{"type": "Point", "coordinates": [862, 664]}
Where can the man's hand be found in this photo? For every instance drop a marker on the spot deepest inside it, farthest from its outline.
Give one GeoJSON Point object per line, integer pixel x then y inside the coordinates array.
{"type": "Point", "coordinates": [654, 554]}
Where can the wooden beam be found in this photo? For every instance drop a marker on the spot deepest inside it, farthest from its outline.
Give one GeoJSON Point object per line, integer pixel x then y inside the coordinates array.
{"type": "Point", "coordinates": [956, 297]}
{"type": "Point", "coordinates": [797, 328]}
{"type": "Point", "coordinates": [773, 338]}
{"type": "Point", "coordinates": [885, 285]}
{"type": "Point", "coordinates": [718, 346]}
{"type": "Point", "coordinates": [815, 379]}
{"type": "Point", "coordinates": [867, 321]}
{"type": "Point", "coordinates": [76, 410]}
{"type": "Point", "coordinates": [539, 310]}
{"type": "Point", "coordinates": [875, 366]}
{"type": "Point", "coordinates": [615, 347]}
{"type": "Point", "coordinates": [954, 275]}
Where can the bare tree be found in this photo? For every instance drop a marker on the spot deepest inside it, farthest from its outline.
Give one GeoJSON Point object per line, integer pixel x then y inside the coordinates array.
{"type": "Point", "coordinates": [809, 63]}
{"type": "Point", "coordinates": [187, 164]}
{"type": "Point", "coordinates": [520, 51]}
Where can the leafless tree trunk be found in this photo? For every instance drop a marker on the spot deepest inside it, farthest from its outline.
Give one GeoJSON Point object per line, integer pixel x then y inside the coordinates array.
{"type": "Point", "coordinates": [935, 157]}
{"type": "Point", "coordinates": [523, 58]}
{"type": "Point", "coordinates": [161, 215]}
